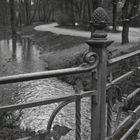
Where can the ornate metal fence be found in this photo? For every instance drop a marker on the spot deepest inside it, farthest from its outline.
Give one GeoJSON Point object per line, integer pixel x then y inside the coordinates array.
{"type": "Point", "coordinates": [95, 61]}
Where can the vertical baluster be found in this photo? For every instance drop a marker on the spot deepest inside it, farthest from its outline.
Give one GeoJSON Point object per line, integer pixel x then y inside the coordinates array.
{"type": "Point", "coordinates": [109, 113]}
{"type": "Point", "coordinates": [78, 118]}
{"type": "Point", "coordinates": [94, 110]}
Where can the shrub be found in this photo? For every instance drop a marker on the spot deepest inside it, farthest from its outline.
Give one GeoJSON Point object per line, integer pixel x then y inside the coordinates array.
{"type": "Point", "coordinates": [66, 19]}
{"type": "Point", "coordinates": [9, 127]}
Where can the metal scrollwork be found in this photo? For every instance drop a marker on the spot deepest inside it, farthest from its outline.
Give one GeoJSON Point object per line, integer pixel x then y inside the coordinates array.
{"type": "Point", "coordinates": [55, 132]}
{"type": "Point", "coordinates": [53, 115]}
{"type": "Point", "coordinates": [134, 80]}
{"type": "Point", "coordinates": [91, 58]}
{"type": "Point", "coordinates": [114, 94]}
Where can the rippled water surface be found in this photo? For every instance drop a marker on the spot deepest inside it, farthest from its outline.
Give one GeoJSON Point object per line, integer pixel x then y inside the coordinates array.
{"type": "Point", "coordinates": [25, 58]}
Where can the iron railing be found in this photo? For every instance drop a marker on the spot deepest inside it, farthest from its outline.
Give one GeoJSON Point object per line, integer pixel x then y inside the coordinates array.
{"type": "Point", "coordinates": [96, 62]}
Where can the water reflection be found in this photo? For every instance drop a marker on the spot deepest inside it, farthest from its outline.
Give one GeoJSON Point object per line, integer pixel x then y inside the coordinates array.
{"type": "Point", "coordinates": [21, 58]}
{"type": "Point", "coordinates": [17, 56]}
{"type": "Point", "coordinates": [14, 43]}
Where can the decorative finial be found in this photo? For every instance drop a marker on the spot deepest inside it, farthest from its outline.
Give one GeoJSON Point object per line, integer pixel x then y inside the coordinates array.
{"type": "Point", "coordinates": [100, 19]}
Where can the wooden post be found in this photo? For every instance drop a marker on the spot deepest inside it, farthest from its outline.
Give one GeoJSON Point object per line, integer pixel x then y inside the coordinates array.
{"type": "Point", "coordinates": [98, 44]}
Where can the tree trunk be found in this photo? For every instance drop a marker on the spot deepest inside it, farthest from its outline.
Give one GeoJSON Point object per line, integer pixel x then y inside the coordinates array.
{"type": "Point", "coordinates": [35, 10]}
{"type": "Point", "coordinates": [94, 5]}
{"type": "Point", "coordinates": [89, 9]}
{"type": "Point", "coordinates": [27, 9]}
{"type": "Point", "coordinates": [81, 9]}
{"type": "Point", "coordinates": [12, 11]}
{"type": "Point", "coordinates": [72, 12]}
{"type": "Point", "coordinates": [100, 3]}
{"type": "Point", "coordinates": [84, 11]}
{"type": "Point", "coordinates": [14, 36]}
{"type": "Point", "coordinates": [125, 32]}
{"type": "Point", "coordinates": [114, 17]}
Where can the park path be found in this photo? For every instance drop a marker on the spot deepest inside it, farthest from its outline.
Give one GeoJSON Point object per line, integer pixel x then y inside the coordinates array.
{"type": "Point", "coordinates": [134, 34]}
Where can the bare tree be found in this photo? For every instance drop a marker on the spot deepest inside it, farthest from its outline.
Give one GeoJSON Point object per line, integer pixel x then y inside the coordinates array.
{"type": "Point", "coordinates": [4, 12]}
{"type": "Point", "coordinates": [13, 28]}
{"type": "Point", "coordinates": [114, 4]}
{"type": "Point", "coordinates": [12, 12]}
{"type": "Point", "coordinates": [129, 12]}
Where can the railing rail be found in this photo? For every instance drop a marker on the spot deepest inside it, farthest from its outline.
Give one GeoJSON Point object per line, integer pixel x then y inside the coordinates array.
{"type": "Point", "coordinates": [123, 57]}
{"type": "Point", "coordinates": [46, 74]}
{"type": "Point", "coordinates": [122, 77]}
{"type": "Point", "coordinates": [126, 122]}
{"type": "Point", "coordinates": [46, 101]}
{"type": "Point", "coordinates": [126, 135]}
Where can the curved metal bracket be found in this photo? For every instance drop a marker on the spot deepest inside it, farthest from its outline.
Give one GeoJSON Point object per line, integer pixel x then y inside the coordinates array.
{"type": "Point", "coordinates": [91, 58]}
{"type": "Point", "coordinates": [55, 112]}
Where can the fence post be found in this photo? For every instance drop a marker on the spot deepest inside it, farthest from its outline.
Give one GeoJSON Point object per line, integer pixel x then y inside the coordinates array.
{"type": "Point", "coordinates": [98, 43]}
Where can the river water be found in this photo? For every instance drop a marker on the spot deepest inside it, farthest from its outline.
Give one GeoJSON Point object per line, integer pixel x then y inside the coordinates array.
{"type": "Point", "coordinates": [25, 58]}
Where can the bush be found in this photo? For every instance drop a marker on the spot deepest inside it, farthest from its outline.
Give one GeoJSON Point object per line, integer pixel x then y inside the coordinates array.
{"type": "Point", "coordinates": [66, 19]}
{"type": "Point", "coordinates": [9, 127]}
{"type": "Point", "coordinates": [135, 22]}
